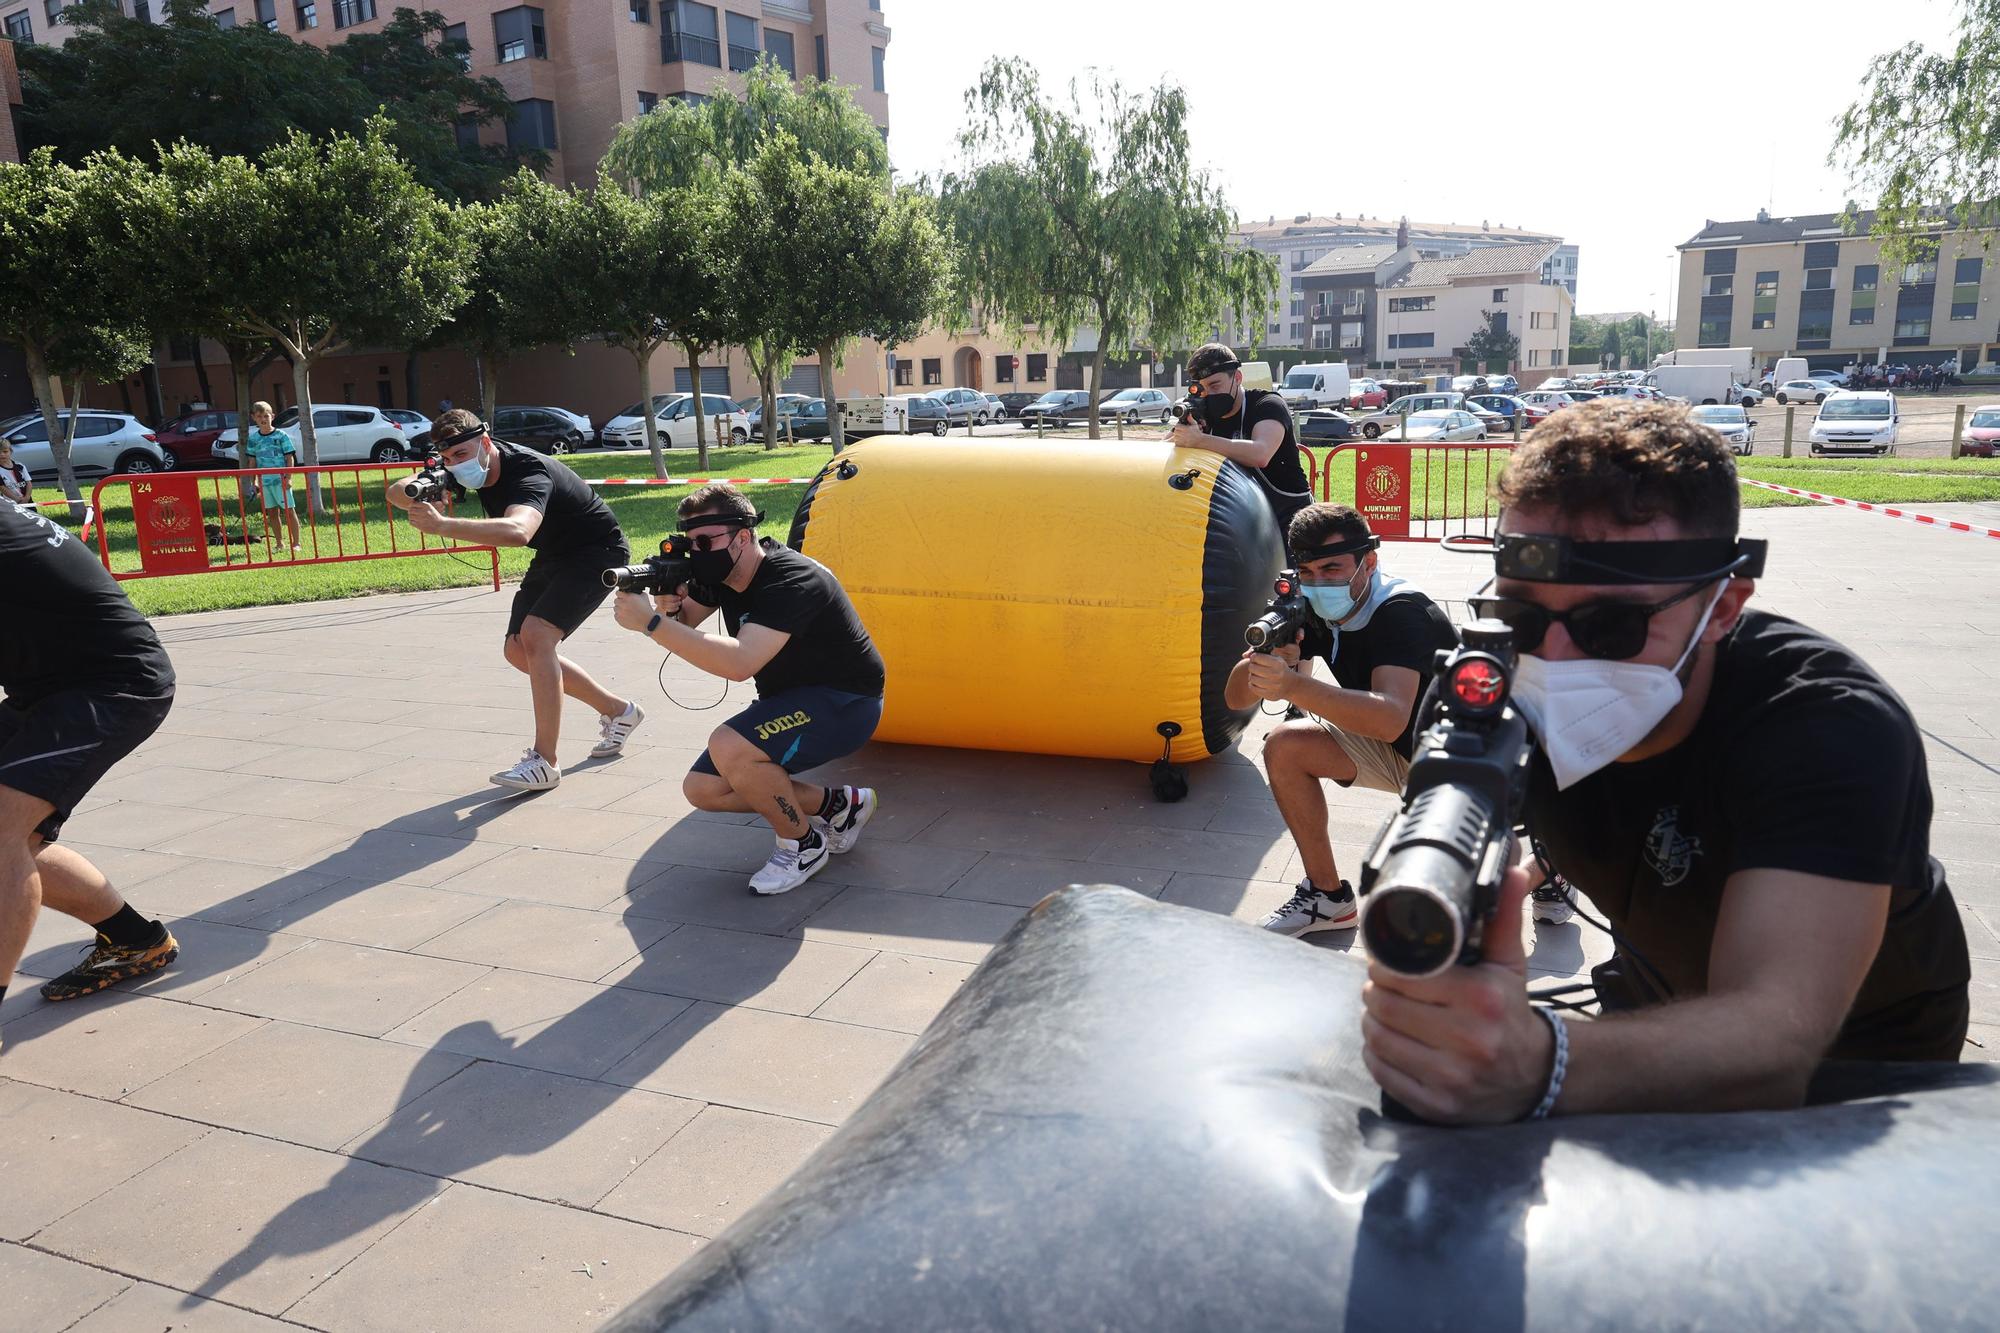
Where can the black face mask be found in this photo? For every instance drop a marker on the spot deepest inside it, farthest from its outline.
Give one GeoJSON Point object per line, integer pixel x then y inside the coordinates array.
{"type": "Point", "coordinates": [713, 567]}
{"type": "Point", "coordinates": [1217, 408]}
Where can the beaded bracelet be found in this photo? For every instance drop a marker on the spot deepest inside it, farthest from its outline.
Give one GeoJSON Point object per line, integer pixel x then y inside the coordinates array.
{"type": "Point", "coordinates": [1556, 1071]}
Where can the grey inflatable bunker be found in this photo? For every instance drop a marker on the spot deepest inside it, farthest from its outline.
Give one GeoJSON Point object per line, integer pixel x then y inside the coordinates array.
{"type": "Point", "coordinates": [1136, 1116]}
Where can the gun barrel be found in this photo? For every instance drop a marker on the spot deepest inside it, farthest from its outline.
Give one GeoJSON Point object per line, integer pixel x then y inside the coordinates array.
{"type": "Point", "coordinates": [1425, 901]}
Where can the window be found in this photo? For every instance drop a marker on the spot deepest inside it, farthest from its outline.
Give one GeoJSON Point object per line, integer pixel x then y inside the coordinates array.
{"type": "Point", "coordinates": [933, 370]}
{"type": "Point", "coordinates": [819, 55]}
{"type": "Point", "coordinates": [1499, 296]}
{"type": "Point", "coordinates": [1408, 305]}
{"type": "Point", "coordinates": [518, 34]}
{"type": "Point", "coordinates": [20, 27]}
{"type": "Point", "coordinates": [347, 13]}
{"type": "Point", "coordinates": [533, 124]}
{"type": "Point", "coordinates": [647, 101]}
{"type": "Point", "coordinates": [1719, 284]}
{"type": "Point", "coordinates": [1819, 279]}
{"type": "Point", "coordinates": [1966, 270]}
{"type": "Point", "coordinates": [1275, 326]}
{"type": "Point", "coordinates": [267, 13]}
{"type": "Point", "coordinates": [224, 18]}
{"type": "Point", "coordinates": [1718, 261]}
{"type": "Point", "coordinates": [1413, 340]}
{"type": "Point", "coordinates": [1767, 284]}
{"type": "Point", "coordinates": [1965, 289]}
{"type": "Point", "coordinates": [1965, 309]}
{"type": "Point", "coordinates": [1350, 304]}
{"type": "Point", "coordinates": [1815, 320]}
{"type": "Point", "coordinates": [689, 33]}
{"type": "Point", "coordinates": [1920, 273]}
{"type": "Point", "coordinates": [306, 14]}
{"type": "Point", "coordinates": [1350, 333]}
{"type": "Point", "coordinates": [53, 10]}
{"type": "Point", "coordinates": [1861, 314]}
{"type": "Point", "coordinates": [467, 132]}
{"type": "Point", "coordinates": [642, 11]}
{"type": "Point", "coordinates": [1916, 328]}
{"type": "Point", "coordinates": [1713, 332]}
{"type": "Point", "coordinates": [902, 374]}
{"type": "Point", "coordinates": [1038, 367]}
{"type": "Point", "coordinates": [1298, 306]}
{"type": "Point", "coordinates": [142, 10]}
{"type": "Point", "coordinates": [1763, 319]}
{"type": "Point", "coordinates": [1003, 369]}
{"type": "Point", "coordinates": [1865, 277]}
{"type": "Point", "coordinates": [779, 45]}
{"type": "Point", "coordinates": [881, 86]}
{"type": "Point", "coordinates": [742, 41]}
{"type": "Point", "coordinates": [456, 33]}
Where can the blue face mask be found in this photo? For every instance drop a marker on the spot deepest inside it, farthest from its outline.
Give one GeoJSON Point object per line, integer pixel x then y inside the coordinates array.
{"type": "Point", "coordinates": [471, 473]}
{"type": "Point", "coordinates": [1332, 601]}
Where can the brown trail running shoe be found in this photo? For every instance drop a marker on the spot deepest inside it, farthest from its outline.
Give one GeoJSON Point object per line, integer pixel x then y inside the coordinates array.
{"type": "Point", "coordinates": [108, 964]}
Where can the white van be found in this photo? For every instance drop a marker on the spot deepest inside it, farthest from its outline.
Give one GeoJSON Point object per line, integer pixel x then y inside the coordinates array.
{"type": "Point", "coordinates": [1788, 368]}
{"type": "Point", "coordinates": [875, 415]}
{"type": "Point", "coordinates": [1325, 384]}
{"type": "Point", "coordinates": [1855, 422]}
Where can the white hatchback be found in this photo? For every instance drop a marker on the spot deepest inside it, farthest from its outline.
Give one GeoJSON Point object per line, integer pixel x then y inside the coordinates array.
{"type": "Point", "coordinates": [673, 415]}
{"type": "Point", "coordinates": [343, 433]}
{"type": "Point", "coordinates": [104, 443]}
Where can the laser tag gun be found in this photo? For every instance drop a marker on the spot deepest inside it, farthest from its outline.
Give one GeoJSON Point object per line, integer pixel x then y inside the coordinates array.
{"type": "Point", "coordinates": [433, 482]}
{"type": "Point", "coordinates": [1432, 879]}
{"type": "Point", "coordinates": [1283, 618]}
{"type": "Point", "coordinates": [657, 575]}
{"type": "Point", "coordinates": [1187, 409]}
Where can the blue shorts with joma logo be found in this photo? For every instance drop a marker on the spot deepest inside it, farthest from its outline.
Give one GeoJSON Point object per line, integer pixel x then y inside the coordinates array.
{"type": "Point", "coordinates": [804, 728]}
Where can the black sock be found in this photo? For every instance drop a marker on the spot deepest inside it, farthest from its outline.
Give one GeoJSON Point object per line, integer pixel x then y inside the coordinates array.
{"type": "Point", "coordinates": [810, 838]}
{"type": "Point", "coordinates": [833, 802]}
{"type": "Point", "coordinates": [127, 929]}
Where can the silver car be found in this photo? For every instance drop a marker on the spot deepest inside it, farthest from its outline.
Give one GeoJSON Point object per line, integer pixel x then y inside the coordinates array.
{"type": "Point", "coordinates": [1732, 423]}
{"type": "Point", "coordinates": [963, 405]}
{"type": "Point", "coordinates": [1443, 427]}
{"type": "Point", "coordinates": [1391, 418]}
{"type": "Point", "coordinates": [1135, 405]}
{"type": "Point", "coordinates": [104, 443]}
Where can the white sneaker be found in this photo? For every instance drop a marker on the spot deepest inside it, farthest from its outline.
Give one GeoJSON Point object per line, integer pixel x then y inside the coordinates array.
{"type": "Point", "coordinates": [1552, 903]}
{"type": "Point", "coordinates": [843, 829]}
{"type": "Point", "coordinates": [1310, 909]}
{"type": "Point", "coordinates": [617, 730]}
{"type": "Point", "coordinates": [793, 863]}
{"type": "Point", "coordinates": [533, 773]}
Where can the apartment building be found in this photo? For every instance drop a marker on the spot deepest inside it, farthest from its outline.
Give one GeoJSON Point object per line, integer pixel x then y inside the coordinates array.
{"type": "Point", "coordinates": [1342, 292]}
{"type": "Point", "coordinates": [1804, 286]}
{"type": "Point", "coordinates": [1303, 241]}
{"type": "Point", "coordinates": [1431, 309]}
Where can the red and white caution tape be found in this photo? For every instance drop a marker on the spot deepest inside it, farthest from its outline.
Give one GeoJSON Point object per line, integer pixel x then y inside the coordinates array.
{"type": "Point", "coordinates": [698, 481]}
{"type": "Point", "coordinates": [1886, 511]}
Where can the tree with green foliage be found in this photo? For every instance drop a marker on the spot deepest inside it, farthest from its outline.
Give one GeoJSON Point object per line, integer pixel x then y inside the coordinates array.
{"type": "Point", "coordinates": [1924, 138]}
{"type": "Point", "coordinates": [1076, 214]}
{"type": "Point", "coordinates": [59, 299]}
{"type": "Point", "coordinates": [1493, 344]}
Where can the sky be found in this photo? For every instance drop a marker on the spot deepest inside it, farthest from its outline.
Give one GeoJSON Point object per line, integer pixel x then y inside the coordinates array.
{"type": "Point", "coordinates": [1622, 134]}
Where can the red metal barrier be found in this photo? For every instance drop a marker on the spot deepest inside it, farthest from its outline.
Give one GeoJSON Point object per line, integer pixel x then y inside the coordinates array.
{"type": "Point", "coordinates": [176, 515]}
{"type": "Point", "coordinates": [1416, 492]}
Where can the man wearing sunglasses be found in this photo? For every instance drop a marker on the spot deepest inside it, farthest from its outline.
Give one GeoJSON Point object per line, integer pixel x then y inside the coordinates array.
{"type": "Point", "coordinates": [788, 625]}
{"type": "Point", "coordinates": [537, 502]}
{"type": "Point", "coordinates": [1743, 799]}
{"type": "Point", "coordinates": [1251, 426]}
{"type": "Point", "coordinates": [1379, 638]}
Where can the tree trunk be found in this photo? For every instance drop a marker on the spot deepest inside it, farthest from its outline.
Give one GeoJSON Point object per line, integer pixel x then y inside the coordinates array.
{"type": "Point", "coordinates": [488, 375]}
{"type": "Point", "coordinates": [413, 385]}
{"type": "Point", "coordinates": [837, 429]}
{"type": "Point", "coordinates": [156, 403]}
{"type": "Point", "coordinates": [240, 372]}
{"type": "Point", "coordinates": [38, 375]}
{"type": "Point", "coordinates": [767, 380]}
{"type": "Point", "coordinates": [308, 441]}
{"type": "Point", "coordinates": [201, 371]}
{"type": "Point", "coordinates": [700, 418]}
{"type": "Point", "coordinates": [1096, 378]}
{"type": "Point", "coordinates": [645, 359]}
{"type": "Point", "coordinates": [479, 377]}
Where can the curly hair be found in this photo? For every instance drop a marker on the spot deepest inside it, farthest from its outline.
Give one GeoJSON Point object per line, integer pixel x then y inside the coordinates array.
{"type": "Point", "coordinates": [1628, 460]}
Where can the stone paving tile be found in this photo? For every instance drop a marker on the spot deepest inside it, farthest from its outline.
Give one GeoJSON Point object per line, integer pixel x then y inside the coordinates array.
{"type": "Point", "coordinates": [527, 1131]}
{"type": "Point", "coordinates": [990, 831]}
{"type": "Point", "coordinates": [275, 1220]}
{"type": "Point", "coordinates": [565, 879]}
{"type": "Point", "coordinates": [145, 1306]}
{"type": "Point", "coordinates": [61, 1150]}
{"type": "Point", "coordinates": [896, 992]}
{"type": "Point", "coordinates": [723, 898]}
{"type": "Point", "coordinates": [702, 843]}
{"type": "Point", "coordinates": [902, 866]}
{"type": "Point", "coordinates": [217, 752]}
{"type": "Point", "coordinates": [44, 1292]}
{"type": "Point", "coordinates": [711, 1172]}
{"type": "Point", "coordinates": [125, 867]}
{"type": "Point", "coordinates": [323, 765]}
{"type": "Point", "coordinates": [230, 892]}
{"type": "Point", "coordinates": [301, 1084]}
{"type": "Point", "coordinates": [565, 1027]}
{"type": "Point", "coordinates": [139, 825]}
{"type": "Point", "coordinates": [912, 924]}
{"type": "Point", "coordinates": [443, 776]}
{"type": "Point", "coordinates": [173, 784]}
{"type": "Point", "coordinates": [801, 1067]}
{"type": "Point", "coordinates": [332, 735]}
{"type": "Point", "coordinates": [518, 1261]}
{"type": "Point", "coordinates": [1024, 881]}
{"type": "Point", "coordinates": [526, 822]}
{"type": "Point", "coordinates": [557, 941]}
{"type": "Point", "coordinates": [261, 840]}
{"type": "Point", "coordinates": [344, 987]}
{"type": "Point", "coordinates": [735, 967]}
{"type": "Point", "coordinates": [108, 1045]}
{"type": "Point", "coordinates": [383, 916]}
{"type": "Point", "coordinates": [410, 858]}
{"type": "Point", "coordinates": [1248, 900]}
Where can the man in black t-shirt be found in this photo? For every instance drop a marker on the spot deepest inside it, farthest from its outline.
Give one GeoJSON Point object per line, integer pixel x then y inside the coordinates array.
{"type": "Point", "coordinates": [1744, 800]}
{"type": "Point", "coordinates": [1379, 638]}
{"type": "Point", "coordinates": [537, 502]}
{"type": "Point", "coordinates": [1251, 426]}
{"type": "Point", "coordinates": [790, 627]}
{"type": "Point", "coordinates": [86, 681]}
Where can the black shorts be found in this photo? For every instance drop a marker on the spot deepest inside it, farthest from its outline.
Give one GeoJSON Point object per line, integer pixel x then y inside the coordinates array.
{"type": "Point", "coordinates": [57, 748]}
{"type": "Point", "coordinates": [564, 590]}
{"type": "Point", "coordinates": [804, 728]}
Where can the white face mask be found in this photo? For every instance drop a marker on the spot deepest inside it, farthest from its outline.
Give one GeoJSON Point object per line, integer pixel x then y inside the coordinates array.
{"type": "Point", "coordinates": [1588, 712]}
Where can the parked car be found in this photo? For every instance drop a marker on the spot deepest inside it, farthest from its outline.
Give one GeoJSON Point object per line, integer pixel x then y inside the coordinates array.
{"type": "Point", "coordinates": [344, 433]}
{"type": "Point", "coordinates": [965, 405]}
{"type": "Point", "coordinates": [1625, 390]}
{"type": "Point", "coordinates": [1469, 384]}
{"type": "Point", "coordinates": [1507, 407]}
{"type": "Point", "coordinates": [1554, 400]}
{"type": "Point", "coordinates": [1833, 377]}
{"type": "Point", "coordinates": [1982, 432]}
{"type": "Point", "coordinates": [1367, 393]}
{"type": "Point", "coordinates": [1850, 422]}
{"type": "Point", "coordinates": [1802, 391]}
{"type": "Point", "coordinates": [926, 413]}
{"type": "Point", "coordinates": [810, 423]}
{"type": "Point", "coordinates": [1503, 383]}
{"type": "Point", "coordinates": [1399, 410]}
{"type": "Point", "coordinates": [582, 420]}
{"type": "Point", "coordinates": [999, 407]}
{"type": "Point", "coordinates": [1744, 396]}
{"type": "Point", "coordinates": [190, 440]}
{"type": "Point", "coordinates": [1317, 384]}
{"type": "Point", "coordinates": [1439, 427]}
{"type": "Point", "coordinates": [104, 443]}
{"type": "Point", "coordinates": [674, 414]}
{"type": "Point", "coordinates": [539, 428]}
{"type": "Point", "coordinates": [1731, 422]}
{"type": "Point", "coordinates": [1056, 405]}
{"type": "Point", "coordinates": [1014, 402]}
{"type": "Point", "coordinates": [787, 406]}
{"type": "Point", "coordinates": [1557, 384]}
{"type": "Point", "coordinates": [1136, 405]}
{"type": "Point", "coordinates": [1324, 427]}
{"type": "Point", "coordinates": [416, 426]}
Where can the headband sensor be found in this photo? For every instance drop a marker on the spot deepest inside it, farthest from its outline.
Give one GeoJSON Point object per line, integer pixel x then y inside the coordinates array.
{"type": "Point", "coordinates": [1543, 558]}
{"type": "Point", "coordinates": [693, 521]}
{"type": "Point", "coordinates": [471, 432]}
{"type": "Point", "coordinates": [1351, 546]}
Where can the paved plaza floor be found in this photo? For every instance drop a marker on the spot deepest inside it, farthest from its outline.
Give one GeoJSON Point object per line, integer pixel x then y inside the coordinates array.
{"type": "Point", "coordinates": [434, 1057]}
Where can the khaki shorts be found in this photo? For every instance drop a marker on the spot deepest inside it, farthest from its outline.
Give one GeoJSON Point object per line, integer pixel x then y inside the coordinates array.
{"type": "Point", "coordinates": [1378, 765]}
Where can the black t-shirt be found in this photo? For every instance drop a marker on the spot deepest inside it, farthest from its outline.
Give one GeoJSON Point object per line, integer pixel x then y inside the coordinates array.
{"type": "Point", "coordinates": [1406, 631]}
{"type": "Point", "coordinates": [574, 517]}
{"type": "Point", "coordinates": [1803, 759]}
{"type": "Point", "coordinates": [797, 595]}
{"type": "Point", "coordinates": [70, 626]}
{"type": "Point", "coordinates": [1284, 477]}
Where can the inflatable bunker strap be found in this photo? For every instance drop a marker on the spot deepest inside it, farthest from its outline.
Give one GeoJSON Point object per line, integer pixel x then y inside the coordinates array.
{"type": "Point", "coordinates": [1138, 1116]}
{"type": "Point", "coordinates": [1049, 597]}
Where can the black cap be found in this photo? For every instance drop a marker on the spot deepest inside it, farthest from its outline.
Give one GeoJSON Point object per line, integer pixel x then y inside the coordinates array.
{"type": "Point", "coordinates": [1211, 359]}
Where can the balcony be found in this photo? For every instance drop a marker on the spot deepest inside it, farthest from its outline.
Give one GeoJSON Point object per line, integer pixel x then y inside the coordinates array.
{"type": "Point", "coordinates": [695, 50]}
{"type": "Point", "coordinates": [743, 57]}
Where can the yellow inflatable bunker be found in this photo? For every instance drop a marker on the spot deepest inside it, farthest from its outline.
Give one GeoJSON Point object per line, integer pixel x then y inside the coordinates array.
{"type": "Point", "coordinates": [1052, 597]}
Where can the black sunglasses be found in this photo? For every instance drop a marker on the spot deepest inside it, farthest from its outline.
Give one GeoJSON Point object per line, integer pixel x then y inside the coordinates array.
{"type": "Point", "coordinates": [1612, 631]}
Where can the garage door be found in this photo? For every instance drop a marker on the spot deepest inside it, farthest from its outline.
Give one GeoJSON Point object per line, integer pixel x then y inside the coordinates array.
{"type": "Point", "coordinates": [803, 379]}
{"type": "Point", "coordinates": [714, 379]}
